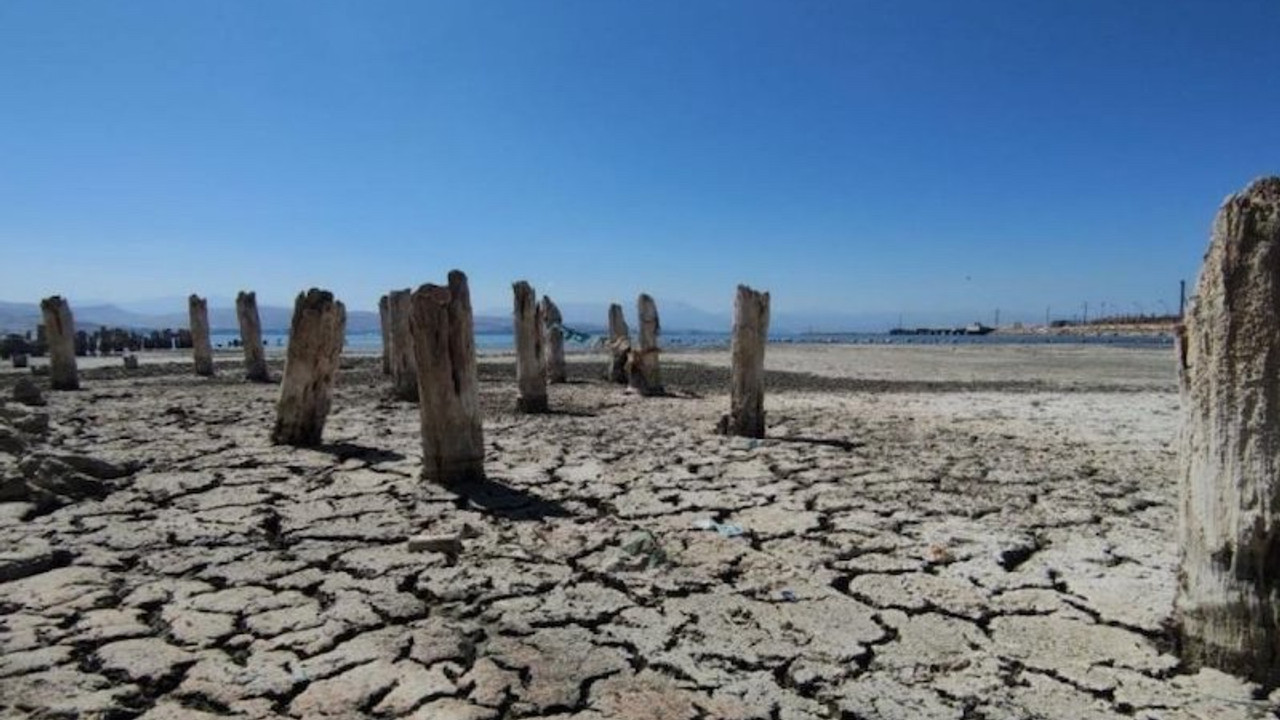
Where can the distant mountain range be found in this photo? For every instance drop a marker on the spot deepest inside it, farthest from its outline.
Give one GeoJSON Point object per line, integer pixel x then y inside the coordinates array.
{"type": "Point", "coordinates": [20, 317]}
{"type": "Point", "coordinates": [591, 318]}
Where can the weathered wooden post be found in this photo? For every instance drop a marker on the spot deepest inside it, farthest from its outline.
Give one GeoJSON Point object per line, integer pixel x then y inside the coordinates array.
{"type": "Point", "coordinates": [553, 341]}
{"type": "Point", "coordinates": [448, 395]}
{"type": "Point", "coordinates": [255, 360]}
{"type": "Point", "coordinates": [750, 332]}
{"type": "Point", "coordinates": [643, 370]}
{"type": "Point", "coordinates": [1228, 601]}
{"type": "Point", "coordinates": [404, 371]}
{"type": "Point", "coordinates": [384, 315]}
{"type": "Point", "coordinates": [531, 373]}
{"type": "Point", "coordinates": [202, 349]}
{"type": "Point", "coordinates": [60, 332]}
{"type": "Point", "coordinates": [619, 344]}
{"type": "Point", "coordinates": [310, 365]}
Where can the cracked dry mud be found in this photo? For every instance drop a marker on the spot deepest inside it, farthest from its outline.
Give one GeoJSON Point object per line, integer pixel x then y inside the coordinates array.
{"type": "Point", "coordinates": [928, 533]}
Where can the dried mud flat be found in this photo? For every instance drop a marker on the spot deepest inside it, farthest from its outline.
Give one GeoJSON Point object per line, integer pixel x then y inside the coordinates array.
{"type": "Point", "coordinates": [926, 533]}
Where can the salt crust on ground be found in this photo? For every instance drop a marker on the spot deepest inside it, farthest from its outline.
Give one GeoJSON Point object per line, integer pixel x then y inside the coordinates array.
{"type": "Point", "coordinates": [929, 532]}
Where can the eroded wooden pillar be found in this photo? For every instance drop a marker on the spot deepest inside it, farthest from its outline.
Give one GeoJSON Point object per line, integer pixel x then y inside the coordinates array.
{"type": "Point", "coordinates": [1228, 600]}
{"type": "Point", "coordinates": [310, 366]}
{"type": "Point", "coordinates": [746, 395]}
{"type": "Point", "coordinates": [201, 346]}
{"type": "Point", "coordinates": [404, 371]}
{"type": "Point", "coordinates": [531, 372]}
{"type": "Point", "coordinates": [619, 344]}
{"type": "Point", "coordinates": [60, 333]}
{"type": "Point", "coordinates": [255, 358]}
{"type": "Point", "coordinates": [384, 315]}
{"type": "Point", "coordinates": [448, 396]}
{"type": "Point", "coordinates": [643, 371]}
{"type": "Point", "coordinates": [553, 341]}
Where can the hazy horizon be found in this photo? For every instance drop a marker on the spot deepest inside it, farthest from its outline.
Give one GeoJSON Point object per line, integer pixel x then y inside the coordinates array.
{"type": "Point", "coordinates": [677, 314]}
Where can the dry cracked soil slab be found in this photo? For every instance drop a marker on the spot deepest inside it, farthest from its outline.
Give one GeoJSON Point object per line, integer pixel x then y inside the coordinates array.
{"type": "Point", "coordinates": [921, 536]}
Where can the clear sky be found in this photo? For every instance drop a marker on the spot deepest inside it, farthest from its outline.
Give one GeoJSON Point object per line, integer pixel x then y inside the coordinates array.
{"type": "Point", "coordinates": [850, 155]}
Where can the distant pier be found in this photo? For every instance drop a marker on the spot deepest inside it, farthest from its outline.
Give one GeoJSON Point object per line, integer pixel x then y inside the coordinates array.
{"type": "Point", "coordinates": [971, 329]}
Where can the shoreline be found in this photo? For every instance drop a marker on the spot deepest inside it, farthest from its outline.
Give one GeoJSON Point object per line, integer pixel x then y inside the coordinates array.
{"type": "Point", "coordinates": [1017, 367]}
{"type": "Point", "coordinates": [225, 355]}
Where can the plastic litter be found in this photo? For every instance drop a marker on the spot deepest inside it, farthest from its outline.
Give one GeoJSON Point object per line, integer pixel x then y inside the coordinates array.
{"type": "Point", "coordinates": [637, 551]}
{"type": "Point", "coordinates": [730, 530]}
{"type": "Point", "coordinates": [788, 596]}
{"type": "Point", "coordinates": [725, 529]}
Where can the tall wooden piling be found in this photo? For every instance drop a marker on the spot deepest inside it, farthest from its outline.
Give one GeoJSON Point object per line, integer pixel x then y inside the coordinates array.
{"type": "Point", "coordinates": [531, 371]}
{"type": "Point", "coordinates": [643, 371]}
{"type": "Point", "coordinates": [619, 344]}
{"type": "Point", "coordinates": [448, 396]}
{"type": "Point", "coordinates": [553, 341]}
{"type": "Point", "coordinates": [255, 358]}
{"type": "Point", "coordinates": [384, 316]}
{"type": "Point", "coordinates": [404, 370]}
{"type": "Point", "coordinates": [60, 333]}
{"type": "Point", "coordinates": [750, 332]}
{"type": "Point", "coordinates": [1228, 599]}
{"type": "Point", "coordinates": [310, 366]}
{"type": "Point", "coordinates": [201, 346]}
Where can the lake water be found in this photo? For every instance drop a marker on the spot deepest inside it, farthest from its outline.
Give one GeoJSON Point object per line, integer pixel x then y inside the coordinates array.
{"type": "Point", "coordinates": [498, 342]}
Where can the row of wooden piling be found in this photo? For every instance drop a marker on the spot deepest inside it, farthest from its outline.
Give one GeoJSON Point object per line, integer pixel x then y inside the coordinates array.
{"type": "Point", "coordinates": [429, 353]}
{"type": "Point", "coordinates": [60, 331]}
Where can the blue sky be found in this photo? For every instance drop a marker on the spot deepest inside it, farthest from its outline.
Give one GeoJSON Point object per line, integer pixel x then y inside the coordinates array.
{"type": "Point", "coordinates": [858, 156]}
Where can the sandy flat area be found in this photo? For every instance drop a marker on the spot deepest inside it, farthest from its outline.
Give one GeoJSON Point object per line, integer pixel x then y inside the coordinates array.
{"type": "Point", "coordinates": [927, 532]}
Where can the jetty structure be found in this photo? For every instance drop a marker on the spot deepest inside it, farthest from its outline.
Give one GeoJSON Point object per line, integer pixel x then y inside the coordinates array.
{"type": "Point", "coordinates": [976, 328]}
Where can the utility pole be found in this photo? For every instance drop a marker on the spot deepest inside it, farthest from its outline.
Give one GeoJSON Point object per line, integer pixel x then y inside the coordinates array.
{"type": "Point", "coordinates": [1086, 313]}
{"type": "Point", "coordinates": [997, 318]}
{"type": "Point", "coordinates": [1182, 297]}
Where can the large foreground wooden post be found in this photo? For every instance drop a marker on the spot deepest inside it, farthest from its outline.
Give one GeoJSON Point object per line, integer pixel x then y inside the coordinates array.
{"type": "Point", "coordinates": [404, 371]}
{"type": "Point", "coordinates": [553, 341]}
{"type": "Point", "coordinates": [384, 315]}
{"type": "Point", "coordinates": [1228, 601]}
{"type": "Point", "coordinates": [448, 396]}
{"type": "Point", "coordinates": [60, 333]}
{"type": "Point", "coordinates": [644, 374]}
{"type": "Point", "coordinates": [750, 332]}
{"type": "Point", "coordinates": [255, 359]}
{"type": "Point", "coordinates": [531, 371]}
{"type": "Point", "coordinates": [619, 344]}
{"type": "Point", "coordinates": [201, 346]}
{"type": "Point", "coordinates": [310, 365]}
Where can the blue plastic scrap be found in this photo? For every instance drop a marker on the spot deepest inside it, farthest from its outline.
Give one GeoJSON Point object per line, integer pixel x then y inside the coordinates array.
{"type": "Point", "coordinates": [725, 529]}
